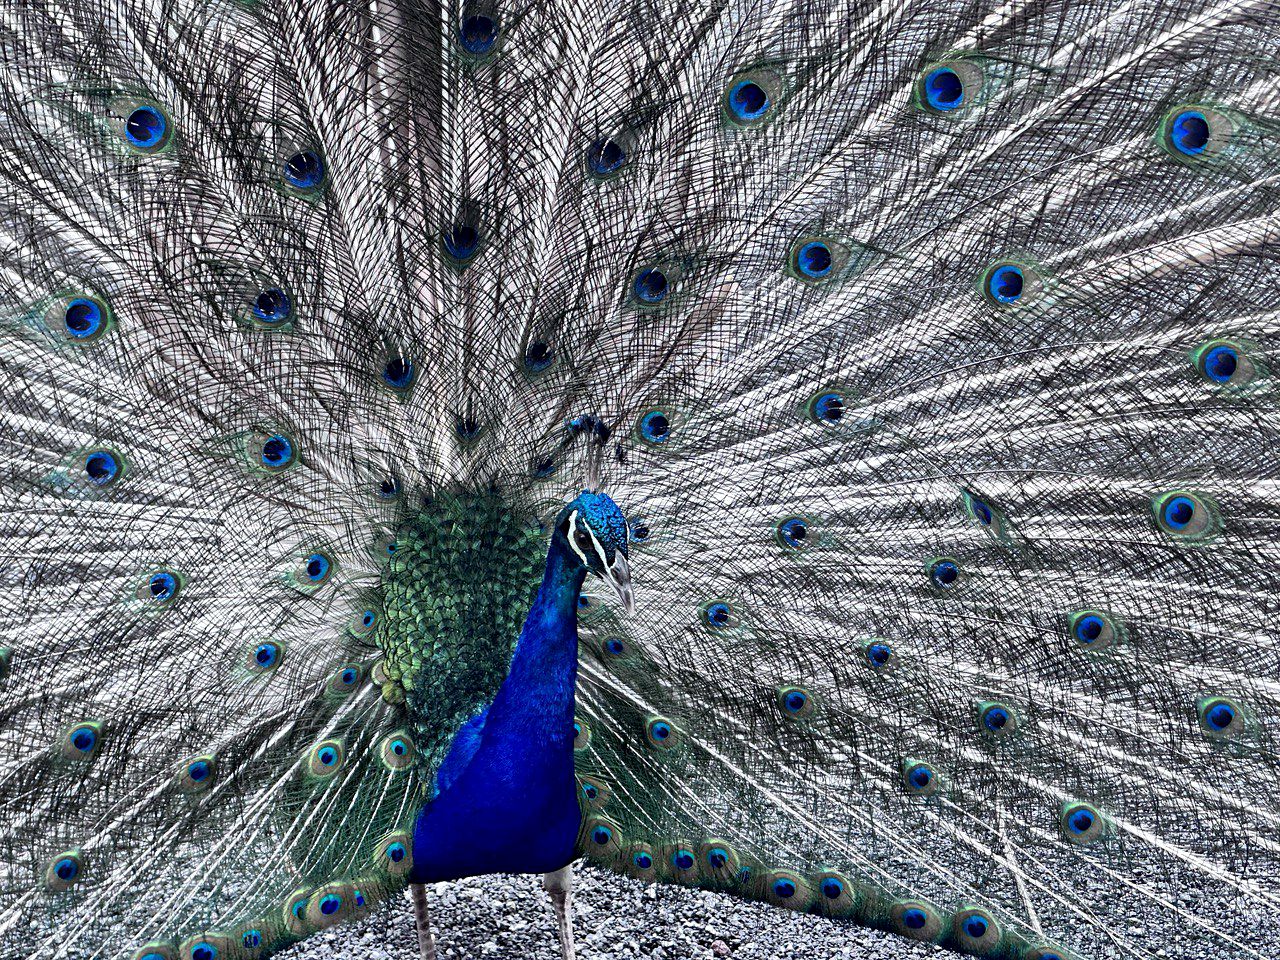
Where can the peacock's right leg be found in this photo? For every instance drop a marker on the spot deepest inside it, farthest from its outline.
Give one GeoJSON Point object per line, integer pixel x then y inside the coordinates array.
{"type": "Point", "coordinates": [560, 886]}
{"type": "Point", "coordinates": [422, 920]}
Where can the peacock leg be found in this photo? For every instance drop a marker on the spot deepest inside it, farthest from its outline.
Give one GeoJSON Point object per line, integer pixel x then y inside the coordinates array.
{"type": "Point", "coordinates": [560, 886]}
{"type": "Point", "coordinates": [422, 919]}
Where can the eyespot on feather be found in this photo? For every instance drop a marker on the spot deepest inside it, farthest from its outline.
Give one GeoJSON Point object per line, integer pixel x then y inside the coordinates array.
{"type": "Point", "coordinates": [949, 87]}
{"type": "Point", "coordinates": [197, 774]}
{"type": "Point", "coordinates": [753, 96]}
{"type": "Point", "coordinates": [917, 920]}
{"type": "Point", "coordinates": [64, 871]}
{"type": "Point", "coordinates": [835, 895]}
{"type": "Point", "coordinates": [976, 931]}
{"type": "Point", "coordinates": [1082, 823]}
{"type": "Point", "coordinates": [783, 888]}
{"type": "Point", "coordinates": [326, 758]}
{"type": "Point", "coordinates": [1221, 718]}
{"type": "Point", "coordinates": [398, 750]}
{"type": "Point", "coordinates": [1186, 516]}
{"type": "Point", "coordinates": [394, 853]}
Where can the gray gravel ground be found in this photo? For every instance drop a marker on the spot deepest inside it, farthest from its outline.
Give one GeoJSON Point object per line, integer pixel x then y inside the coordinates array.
{"type": "Point", "coordinates": [615, 918]}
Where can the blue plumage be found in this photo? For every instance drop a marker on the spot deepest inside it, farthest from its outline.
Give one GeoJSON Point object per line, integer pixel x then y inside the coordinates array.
{"type": "Point", "coordinates": [507, 798]}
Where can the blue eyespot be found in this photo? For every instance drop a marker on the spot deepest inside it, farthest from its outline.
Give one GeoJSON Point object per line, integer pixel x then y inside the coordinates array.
{"type": "Point", "coordinates": [101, 467]}
{"type": "Point", "coordinates": [589, 791]}
{"type": "Point", "coordinates": [683, 860]}
{"type": "Point", "coordinates": [327, 756]}
{"type": "Point", "coordinates": [605, 156]}
{"type": "Point", "coordinates": [199, 771]}
{"type": "Point", "coordinates": [399, 373]}
{"type": "Point", "coordinates": [368, 619]}
{"type": "Point", "coordinates": [204, 951]}
{"type": "Point", "coordinates": [396, 852]}
{"type": "Point", "coordinates": [1220, 364]}
{"type": "Point", "coordinates": [83, 739]}
{"type": "Point", "coordinates": [462, 241]}
{"type": "Point", "coordinates": [277, 451]}
{"type": "Point", "coordinates": [717, 614]}
{"type": "Point", "coordinates": [162, 586]}
{"type": "Point", "coordinates": [995, 719]}
{"type": "Point", "coordinates": [330, 905]}
{"type": "Point", "coordinates": [272, 306]}
{"type": "Point", "coordinates": [146, 128]}
{"type": "Point", "coordinates": [316, 567]}
{"type": "Point", "coordinates": [913, 918]}
{"type": "Point", "coordinates": [661, 733]}
{"type": "Point", "coordinates": [601, 835]}
{"type": "Point", "coordinates": [943, 89]}
{"type": "Point", "coordinates": [827, 408]}
{"type": "Point", "coordinates": [615, 647]}
{"type": "Point", "coordinates": [1189, 132]}
{"type": "Point", "coordinates": [1089, 628]}
{"type": "Point", "coordinates": [266, 656]}
{"type": "Point", "coordinates": [981, 512]}
{"type": "Point", "coordinates": [832, 888]}
{"type": "Point", "coordinates": [794, 533]}
{"type": "Point", "coordinates": [639, 531]}
{"type": "Point", "coordinates": [784, 889]}
{"type": "Point", "coordinates": [83, 318]}
{"type": "Point", "coordinates": [477, 34]}
{"type": "Point", "coordinates": [1005, 283]}
{"type": "Point", "coordinates": [642, 860]}
{"type": "Point", "coordinates": [348, 676]}
{"type": "Point", "coordinates": [650, 285]}
{"type": "Point", "coordinates": [944, 573]}
{"type": "Point", "coordinates": [304, 170]}
{"type": "Point", "coordinates": [795, 701]}
{"type": "Point", "coordinates": [1185, 515]}
{"type": "Point", "coordinates": [975, 926]}
{"type": "Point", "coordinates": [920, 776]}
{"type": "Point", "coordinates": [251, 939]}
{"type": "Point", "coordinates": [1178, 512]}
{"type": "Point", "coordinates": [538, 356]}
{"type": "Point", "coordinates": [717, 857]}
{"type": "Point", "coordinates": [388, 488]}
{"type": "Point", "coordinates": [655, 427]}
{"type": "Point", "coordinates": [813, 260]}
{"type": "Point", "coordinates": [748, 101]}
{"type": "Point", "coordinates": [879, 654]}
{"type": "Point", "coordinates": [1081, 820]}
{"type": "Point", "coordinates": [1220, 715]}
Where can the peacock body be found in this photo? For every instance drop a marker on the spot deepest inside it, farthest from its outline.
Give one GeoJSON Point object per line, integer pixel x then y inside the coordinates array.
{"type": "Point", "coordinates": [918, 359]}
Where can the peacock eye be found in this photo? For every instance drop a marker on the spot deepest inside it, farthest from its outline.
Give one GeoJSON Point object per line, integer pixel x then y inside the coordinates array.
{"type": "Point", "coordinates": [304, 171]}
{"type": "Point", "coordinates": [272, 306]}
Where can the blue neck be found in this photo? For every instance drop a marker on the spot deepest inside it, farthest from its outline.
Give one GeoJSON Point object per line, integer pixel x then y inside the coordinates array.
{"type": "Point", "coordinates": [537, 696]}
{"type": "Point", "coordinates": [512, 805]}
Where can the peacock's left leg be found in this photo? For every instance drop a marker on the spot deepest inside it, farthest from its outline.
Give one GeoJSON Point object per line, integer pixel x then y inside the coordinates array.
{"type": "Point", "coordinates": [422, 920]}
{"type": "Point", "coordinates": [560, 886]}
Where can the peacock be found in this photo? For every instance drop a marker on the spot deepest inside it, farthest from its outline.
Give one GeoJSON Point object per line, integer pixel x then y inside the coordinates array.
{"type": "Point", "coordinates": [822, 451]}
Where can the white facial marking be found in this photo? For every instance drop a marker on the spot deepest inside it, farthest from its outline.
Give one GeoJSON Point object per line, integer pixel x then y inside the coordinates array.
{"type": "Point", "coordinates": [573, 536]}
{"type": "Point", "coordinates": [573, 540]}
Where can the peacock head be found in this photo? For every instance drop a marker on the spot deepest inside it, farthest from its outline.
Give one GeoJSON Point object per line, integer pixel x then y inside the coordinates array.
{"type": "Point", "coordinates": [595, 530]}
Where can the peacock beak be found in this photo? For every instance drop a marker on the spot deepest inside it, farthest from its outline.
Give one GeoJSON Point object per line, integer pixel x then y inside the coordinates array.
{"type": "Point", "coordinates": [618, 574]}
